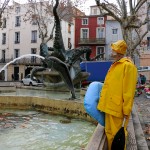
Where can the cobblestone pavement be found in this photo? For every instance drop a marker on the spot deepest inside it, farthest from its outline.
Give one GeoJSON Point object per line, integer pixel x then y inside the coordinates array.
{"type": "Point", "coordinates": [142, 104]}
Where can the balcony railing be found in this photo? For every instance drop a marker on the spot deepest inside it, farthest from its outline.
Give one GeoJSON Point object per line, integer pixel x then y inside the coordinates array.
{"type": "Point", "coordinates": [34, 23]}
{"type": "Point", "coordinates": [17, 42]}
{"type": "Point", "coordinates": [33, 41]}
{"type": "Point", "coordinates": [23, 61]}
{"type": "Point", "coordinates": [3, 60]}
{"type": "Point", "coordinates": [85, 41]}
{"type": "Point", "coordinates": [17, 24]}
{"type": "Point", "coordinates": [4, 25]}
{"type": "Point", "coordinates": [3, 41]}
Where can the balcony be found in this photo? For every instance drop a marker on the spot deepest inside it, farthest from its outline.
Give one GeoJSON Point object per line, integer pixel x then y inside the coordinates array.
{"type": "Point", "coordinates": [4, 25]}
{"type": "Point", "coordinates": [3, 60]}
{"type": "Point", "coordinates": [17, 42]}
{"type": "Point", "coordinates": [91, 41]}
{"type": "Point", "coordinates": [34, 23]}
{"type": "Point", "coordinates": [33, 41]}
{"type": "Point", "coordinates": [17, 25]}
{"type": "Point", "coordinates": [3, 42]}
{"type": "Point", "coordinates": [23, 61]}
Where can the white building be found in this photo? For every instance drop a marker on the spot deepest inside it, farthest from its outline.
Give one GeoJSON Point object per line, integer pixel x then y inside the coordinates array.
{"type": "Point", "coordinates": [113, 34]}
{"type": "Point", "coordinates": [18, 38]}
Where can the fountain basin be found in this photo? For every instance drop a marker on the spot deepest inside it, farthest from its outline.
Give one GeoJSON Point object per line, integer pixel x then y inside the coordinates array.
{"type": "Point", "coordinates": [69, 108]}
{"type": "Point", "coordinates": [72, 109]}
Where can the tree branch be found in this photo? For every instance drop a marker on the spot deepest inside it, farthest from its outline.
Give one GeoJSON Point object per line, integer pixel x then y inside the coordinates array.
{"type": "Point", "coordinates": [139, 4]}
{"type": "Point", "coordinates": [138, 41]}
{"type": "Point", "coordinates": [124, 9]}
{"type": "Point", "coordinates": [111, 13]}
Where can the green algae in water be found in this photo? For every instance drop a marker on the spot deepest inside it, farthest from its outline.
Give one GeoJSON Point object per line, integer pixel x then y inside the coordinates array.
{"type": "Point", "coordinates": [32, 130]}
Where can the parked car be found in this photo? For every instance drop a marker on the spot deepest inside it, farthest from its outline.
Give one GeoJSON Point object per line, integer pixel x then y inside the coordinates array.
{"type": "Point", "coordinates": [28, 81]}
{"type": "Point", "coordinates": [143, 68]}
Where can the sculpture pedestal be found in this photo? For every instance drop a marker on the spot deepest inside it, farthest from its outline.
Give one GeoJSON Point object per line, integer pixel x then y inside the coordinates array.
{"type": "Point", "coordinates": [52, 79]}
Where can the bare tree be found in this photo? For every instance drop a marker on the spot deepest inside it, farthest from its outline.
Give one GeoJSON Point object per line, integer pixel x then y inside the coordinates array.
{"type": "Point", "coordinates": [2, 8]}
{"type": "Point", "coordinates": [41, 12]}
{"type": "Point", "coordinates": [127, 14]}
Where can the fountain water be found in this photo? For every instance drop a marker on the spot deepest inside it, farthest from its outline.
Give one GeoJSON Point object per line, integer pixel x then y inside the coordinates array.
{"type": "Point", "coordinates": [36, 130]}
{"type": "Point", "coordinates": [18, 58]}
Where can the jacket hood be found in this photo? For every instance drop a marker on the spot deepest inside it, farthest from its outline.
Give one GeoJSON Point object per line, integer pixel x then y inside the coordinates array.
{"type": "Point", "coordinates": [119, 47]}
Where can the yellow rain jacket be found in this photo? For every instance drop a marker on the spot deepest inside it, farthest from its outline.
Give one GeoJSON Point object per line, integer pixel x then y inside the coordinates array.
{"type": "Point", "coordinates": [117, 95]}
{"type": "Point", "coordinates": [119, 88]}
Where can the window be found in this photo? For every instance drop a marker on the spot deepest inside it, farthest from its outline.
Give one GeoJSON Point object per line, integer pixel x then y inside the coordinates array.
{"type": "Point", "coordinates": [17, 9]}
{"type": "Point", "coordinates": [4, 23]}
{"type": "Point", "coordinates": [34, 36]}
{"type": "Point", "coordinates": [84, 33]}
{"type": "Point", "coordinates": [85, 21]}
{"type": "Point", "coordinates": [16, 53]}
{"type": "Point", "coordinates": [34, 22]}
{"type": "Point", "coordinates": [69, 28]}
{"type": "Point", "coordinates": [100, 33]}
{"type": "Point", "coordinates": [148, 11]}
{"type": "Point", "coordinates": [69, 43]}
{"type": "Point", "coordinates": [149, 25]}
{"type": "Point", "coordinates": [17, 37]}
{"type": "Point", "coordinates": [3, 38]}
{"type": "Point", "coordinates": [100, 50]}
{"type": "Point", "coordinates": [33, 58]}
{"type": "Point", "coordinates": [18, 21]}
{"type": "Point", "coordinates": [100, 20]}
{"type": "Point", "coordinates": [148, 42]}
{"type": "Point", "coordinates": [114, 34]}
{"type": "Point", "coordinates": [114, 31]}
{"type": "Point", "coordinates": [34, 19]}
{"type": "Point", "coordinates": [3, 56]}
{"type": "Point", "coordinates": [95, 11]}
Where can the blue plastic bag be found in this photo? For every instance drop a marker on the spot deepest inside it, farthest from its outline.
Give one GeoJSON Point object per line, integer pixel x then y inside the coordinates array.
{"type": "Point", "coordinates": [91, 100]}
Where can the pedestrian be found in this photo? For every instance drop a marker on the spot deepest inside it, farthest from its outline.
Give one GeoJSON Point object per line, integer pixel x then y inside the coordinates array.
{"type": "Point", "coordinates": [118, 91]}
{"type": "Point", "coordinates": [143, 79]}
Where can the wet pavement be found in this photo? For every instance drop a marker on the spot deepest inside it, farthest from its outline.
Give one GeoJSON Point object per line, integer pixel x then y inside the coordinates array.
{"type": "Point", "coordinates": [142, 104]}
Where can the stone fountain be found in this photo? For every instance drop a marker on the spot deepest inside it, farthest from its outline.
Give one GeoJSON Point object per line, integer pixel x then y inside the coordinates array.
{"type": "Point", "coordinates": [64, 64]}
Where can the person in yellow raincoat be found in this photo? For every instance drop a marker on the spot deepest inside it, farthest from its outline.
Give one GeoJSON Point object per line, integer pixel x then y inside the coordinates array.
{"type": "Point", "coordinates": [118, 91]}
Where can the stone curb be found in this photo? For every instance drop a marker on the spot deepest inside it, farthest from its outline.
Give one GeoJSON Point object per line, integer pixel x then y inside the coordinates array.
{"type": "Point", "coordinates": [139, 135]}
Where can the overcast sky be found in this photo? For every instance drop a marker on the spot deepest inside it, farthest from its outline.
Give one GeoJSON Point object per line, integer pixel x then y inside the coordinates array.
{"type": "Point", "coordinates": [86, 6]}
{"type": "Point", "coordinates": [89, 3]}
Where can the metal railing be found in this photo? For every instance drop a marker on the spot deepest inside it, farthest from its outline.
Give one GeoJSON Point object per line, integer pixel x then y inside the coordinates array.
{"type": "Point", "coordinates": [23, 61]}
{"type": "Point", "coordinates": [91, 41]}
{"type": "Point", "coordinates": [33, 41]}
{"type": "Point", "coordinates": [3, 41]}
{"type": "Point", "coordinates": [17, 24]}
{"type": "Point", "coordinates": [17, 42]}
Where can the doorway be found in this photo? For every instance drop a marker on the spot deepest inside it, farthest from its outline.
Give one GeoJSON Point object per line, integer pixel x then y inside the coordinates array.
{"type": "Point", "coordinates": [16, 73]}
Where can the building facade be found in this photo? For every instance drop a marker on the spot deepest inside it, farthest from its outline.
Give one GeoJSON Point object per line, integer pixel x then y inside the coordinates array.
{"type": "Point", "coordinates": [90, 31]}
{"type": "Point", "coordinates": [144, 47]}
{"type": "Point", "coordinates": [97, 32]}
{"type": "Point", "coordinates": [18, 38]}
{"type": "Point", "coordinates": [113, 34]}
